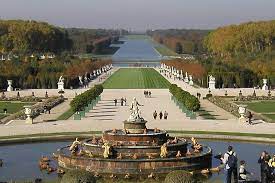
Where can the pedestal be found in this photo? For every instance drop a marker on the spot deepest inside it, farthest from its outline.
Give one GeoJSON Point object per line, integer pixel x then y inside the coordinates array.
{"type": "Point", "coordinates": [60, 86]}
{"type": "Point", "coordinates": [211, 85]}
{"type": "Point", "coordinates": [135, 127]}
{"type": "Point", "coordinates": [242, 111]}
{"type": "Point", "coordinates": [28, 112]}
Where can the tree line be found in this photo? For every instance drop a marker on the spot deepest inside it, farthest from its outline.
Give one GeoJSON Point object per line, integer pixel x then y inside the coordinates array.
{"type": "Point", "coordinates": [27, 37]}
{"type": "Point", "coordinates": [44, 74]}
{"type": "Point", "coordinates": [181, 40]}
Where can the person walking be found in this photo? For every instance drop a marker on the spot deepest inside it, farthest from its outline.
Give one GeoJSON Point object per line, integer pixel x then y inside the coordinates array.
{"type": "Point", "coordinates": [165, 116]}
{"type": "Point", "coordinates": [263, 161]}
{"type": "Point", "coordinates": [121, 101]}
{"type": "Point", "coordinates": [125, 101]}
{"type": "Point", "coordinates": [160, 115]}
{"type": "Point", "coordinates": [115, 101]}
{"type": "Point", "coordinates": [149, 93]}
{"type": "Point", "coordinates": [230, 161]}
{"type": "Point", "coordinates": [155, 115]}
{"type": "Point", "coordinates": [249, 116]}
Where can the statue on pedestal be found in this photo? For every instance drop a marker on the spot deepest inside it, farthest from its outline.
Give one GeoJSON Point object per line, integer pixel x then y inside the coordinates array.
{"type": "Point", "coordinates": [60, 84]}
{"type": "Point", "coordinates": [135, 115]}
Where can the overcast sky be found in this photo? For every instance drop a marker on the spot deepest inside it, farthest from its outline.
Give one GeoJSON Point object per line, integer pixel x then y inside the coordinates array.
{"type": "Point", "coordinates": [139, 14]}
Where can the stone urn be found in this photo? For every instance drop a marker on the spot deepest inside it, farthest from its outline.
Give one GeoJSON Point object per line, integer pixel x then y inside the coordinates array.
{"type": "Point", "coordinates": [242, 111]}
{"type": "Point", "coordinates": [28, 112]}
{"type": "Point", "coordinates": [265, 87]}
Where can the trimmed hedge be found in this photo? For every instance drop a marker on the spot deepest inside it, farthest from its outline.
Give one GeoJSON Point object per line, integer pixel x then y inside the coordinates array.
{"type": "Point", "coordinates": [189, 101]}
{"type": "Point", "coordinates": [82, 100]}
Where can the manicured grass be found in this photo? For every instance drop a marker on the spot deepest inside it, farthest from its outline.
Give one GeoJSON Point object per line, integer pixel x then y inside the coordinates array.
{"type": "Point", "coordinates": [164, 51]}
{"type": "Point", "coordinates": [66, 115]}
{"type": "Point", "coordinates": [262, 106]}
{"type": "Point", "coordinates": [2, 116]}
{"type": "Point", "coordinates": [270, 116]}
{"type": "Point", "coordinates": [13, 107]}
{"type": "Point", "coordinates": [136, 78]}
{"type": "Point", "coordinates": [265, 108]}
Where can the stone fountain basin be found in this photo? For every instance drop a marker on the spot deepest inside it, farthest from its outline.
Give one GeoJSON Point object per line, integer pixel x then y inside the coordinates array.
{"type": "Point", "coordinates": [136, 166]}
{"type": "Point", "coordinates": [140, 150]}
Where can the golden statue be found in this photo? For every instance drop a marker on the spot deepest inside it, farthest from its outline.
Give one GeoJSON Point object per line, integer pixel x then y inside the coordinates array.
{"type": "Point", "coordinates": [107, 150]}
{"type": "Point", "coordinates": [163, 151]}
{"type": "Point", "coordinates": [75, 146]}
{"type": "Point", "coordinates": [196, 145]}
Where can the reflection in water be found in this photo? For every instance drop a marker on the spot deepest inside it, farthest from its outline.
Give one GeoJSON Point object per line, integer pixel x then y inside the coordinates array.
{"type": "Point", "coordinates": [136, 51]}
{"type": "Point", "coordinates": [21, 160]}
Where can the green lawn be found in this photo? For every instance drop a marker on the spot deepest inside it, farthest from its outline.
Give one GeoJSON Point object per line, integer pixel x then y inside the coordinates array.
{"type": "Point", "coordinates": [13, 107]}
{"type": "Point", "coordinates": [2, 116]}
{"type": "Point", "coordinates": [136, 78]}
{"type": "Point", "coordinates": [164, 51]}
{"type": "Point", "coordinates": [265, 108]}
{"type": "Point", "coordinates": [66, 115]}
{"type": "Point", "coordinates": [137, 37]}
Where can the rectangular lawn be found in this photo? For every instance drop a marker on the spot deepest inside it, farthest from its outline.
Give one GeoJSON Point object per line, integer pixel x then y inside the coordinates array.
{"type": "Point", "coordinates": [136, 78]}
{"type": "Point", "coordinates": [12, 107]}
{"type": "Point", "coordinates": [262, 106]}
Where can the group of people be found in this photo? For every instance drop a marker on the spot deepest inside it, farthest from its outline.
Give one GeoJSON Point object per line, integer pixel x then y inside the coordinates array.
{"type": "Point", "coordinates": [267, 164]}
{"type": "Point", "coordinates": [147, 93]}
{"type": "Point", "coordinates": [123, 101]}
{"type": "Point", "coordinates": [230, 161]}
{"type": "Point", "coordinates": [161, 115]}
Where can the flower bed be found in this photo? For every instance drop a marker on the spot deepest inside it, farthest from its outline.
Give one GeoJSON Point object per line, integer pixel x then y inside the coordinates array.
{"type": "Point", "coordinates": [21, 99]}
{"type": "Point", "coordinates": [222, 103]}
{"type": "Point", "coordinates": [251, 98]}
{"type": "Point", "coordinates": [36, 109]}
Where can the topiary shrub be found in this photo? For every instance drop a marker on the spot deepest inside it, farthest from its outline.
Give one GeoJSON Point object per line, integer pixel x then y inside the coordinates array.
{"type": "Point", "coordinates": [179, 176]}
{"type": "Point", "coordinates": [78, 176]}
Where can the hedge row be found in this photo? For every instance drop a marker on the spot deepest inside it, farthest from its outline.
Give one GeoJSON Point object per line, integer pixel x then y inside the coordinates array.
{"type": "Point", "coordinates": [189, 101]}
{"type": "Point", "coordinates": [82, 100]}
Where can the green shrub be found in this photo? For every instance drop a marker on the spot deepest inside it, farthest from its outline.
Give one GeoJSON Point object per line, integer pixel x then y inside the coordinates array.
{"type": "Point", "coordinates": [179, 176]}
{"type": "Point", "coordinates": [82, 100]}
{"type": "Point", "coordinates": [78, 176]}
{"type": "Point", "coordinates": [189, 101]}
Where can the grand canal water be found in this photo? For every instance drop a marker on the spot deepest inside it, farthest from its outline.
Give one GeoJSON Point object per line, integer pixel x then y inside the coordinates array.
{"type": "Point", "coordinates": [21, 160]}
{"type": "Point", "coordinates": [136, 51]}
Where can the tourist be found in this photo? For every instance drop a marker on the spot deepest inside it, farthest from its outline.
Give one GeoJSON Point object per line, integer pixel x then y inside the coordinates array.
{"type": "Point", "coordinates": [263, 161]}
{"type": "Point", "coordinates": [249, 116]}
{"type": "Point", "coordinates": [115, 101]}
{"type": "Point", "coordinates": [45, 109]}
{"type": "Point", "coordinates": [165, 116]}
{"type": "Point", "coordinates": [121, 101]}
{"type": "Point", "coordinates": [160, 115]}
{"type": "Point", "coordinates": [155, 115]}
{"type": "Point", "coordinates": [198, 96]}
{"type": "Point", "coordinates": [230, 161]}
{"type": "Point", "coordinates": [149, 94]}
{"type": "Point", "coordinates": [271, 164]}
{"type": "Point", "coordinates": [243, 173]}
{"type": "Point", "coordinates": [125, 100]}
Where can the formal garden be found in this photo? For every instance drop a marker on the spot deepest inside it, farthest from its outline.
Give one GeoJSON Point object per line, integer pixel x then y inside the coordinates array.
{"type": "Point", "coordinates": [136, 78]}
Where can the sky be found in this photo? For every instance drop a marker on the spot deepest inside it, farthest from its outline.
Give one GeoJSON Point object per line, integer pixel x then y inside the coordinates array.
{"type": "Point", "coordinates": [139, 14]}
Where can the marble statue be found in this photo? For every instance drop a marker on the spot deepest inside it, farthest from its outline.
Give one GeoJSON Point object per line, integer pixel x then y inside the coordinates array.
{"type": "Point", "coordinates": [60, 84]}
{"type": "Point", "coordinates": [163, 151]}
{"type": "Point", "coordinates": [211, 82]}
{"type": "Point", "coordinates": [135, 112]}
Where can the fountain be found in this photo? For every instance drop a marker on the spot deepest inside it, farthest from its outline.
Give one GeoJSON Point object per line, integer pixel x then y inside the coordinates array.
{"type": "Point", "coordinates": [134, 150]}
